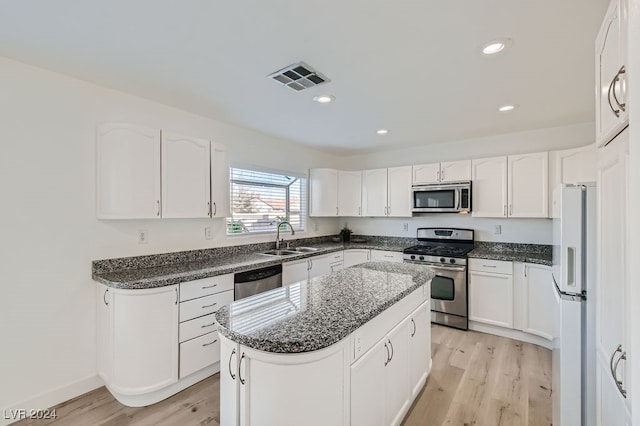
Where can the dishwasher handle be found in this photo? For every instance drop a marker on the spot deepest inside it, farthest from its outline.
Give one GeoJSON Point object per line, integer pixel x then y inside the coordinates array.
{"type": "Point", "coordinates": [257, 274]}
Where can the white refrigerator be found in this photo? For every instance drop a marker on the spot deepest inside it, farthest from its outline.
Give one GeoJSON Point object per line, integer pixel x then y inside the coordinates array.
{"type": "Point", "coordinates": [574, 263]}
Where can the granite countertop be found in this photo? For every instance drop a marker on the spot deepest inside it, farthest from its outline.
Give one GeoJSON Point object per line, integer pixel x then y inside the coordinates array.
{"type": "Point", "coordinates": [128, 274]}
{"type": "Point", "coordinates": [314, 314]}
{"type": "Point", "coordinates": [514, 252]}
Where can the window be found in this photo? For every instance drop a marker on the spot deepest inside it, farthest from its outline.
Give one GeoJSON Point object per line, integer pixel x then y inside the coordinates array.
{"type": "Point", "coordinates": [259, 200]}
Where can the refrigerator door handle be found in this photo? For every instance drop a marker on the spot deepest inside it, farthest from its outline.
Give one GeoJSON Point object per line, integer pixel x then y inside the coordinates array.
{"type": "Point", "coordinates": [571, 266]}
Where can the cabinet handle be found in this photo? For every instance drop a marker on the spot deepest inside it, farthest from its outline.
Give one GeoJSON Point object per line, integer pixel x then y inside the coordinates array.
{"type": "Point", "coordinates": [210, 343]}
{"type": "Point", "coordinates": [441, 176]}
{"type": "Point", "coordinates": [505, 211]}
{"type": "Point", "coordinates": [104, 297]}
{"type": "Point", "coordinates": [210, 306]}
{"type": "Point", "coordinates": [388, 256]}
{"type": "Point", "coordinates": [614, 367]}
{"type": "Point", "coordinates": [489, 266]}
{"type": "Point", "coordinates": [389, 211]}
{"type": "Point", "coordinates": [158, 214]}
{"type": "Point", "coordinates": [209, 208]}
{"type": "Point", "coordinates": [336, 211]}
{"type": "Point", "coordinates": [176, 295]}
{"type": "Point", "coordinates": [613, 88]}
{"type": "Point", "coordinates": [359, 211]}
{"type": "Point", "coordinates": [240, 369]}
{"type": "Point", "coordinates": [388, 359]}
{"type": "Point", "coordinates": [310, 264]}
{"type": "Point", "coordinates": [414, 328]}
{"type": "Point", "coordinates": [615, 111]}
{"type": "Point", "coordinates": [391, 350]}
{"type": "Point", "coordinates": [438, 176]}
{"type": "Point", "coordinates": [215, 209]}
{"type": "Point", "coordinates": [209, 286]}
{"type": "Point", "coordinates": [233, 352]}
{"type": "Point", "coordinates": [525, 271]}
{"type": "Point", "coordinates": [208, 325]}
{"type": "Point", "coordinates": [510, 209]}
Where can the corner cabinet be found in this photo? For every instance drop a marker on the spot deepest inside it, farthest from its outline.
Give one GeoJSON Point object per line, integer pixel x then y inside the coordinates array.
{"type": "Point", "coordinates": [137, 342]}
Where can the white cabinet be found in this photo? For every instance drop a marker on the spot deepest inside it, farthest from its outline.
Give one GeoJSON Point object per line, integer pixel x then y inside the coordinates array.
{"type": "Point", "coordinates": [491, 292]}
{"type": "Point", "coordinates": [513, 186]}
{"type": "Point", "coordinates": [419, 328]}
{"type": "Point", "coordinates": [137, 341]}
{"type": "Point", "coordinates": [323, 192]}
{"type": "Point", "coordinates": [571, 166]}
{"type": "Point", "coordinates": [220, 185]}
{"type": "Point", "coordinates": [386, 256]}
{"type": "Point", "coordinates": [295, 271]}
{"type": "Point", "coordinates": [354, 257]}
{"type": "Point", "coordinates": [538, 300]}
{"type": "Point", "coordinates": [368, 381]}
{"type": "Point", "coordinates": [186, 181]}
{"type": "Point", "coordinates": [610, 407]}
{"type": "Point", "coordinates": [349, 193]}
{"type": "Point", "coordinates": [451, 171]}
{"type": "Point", "coordinates": [128, 172]}
{"type": "Point", "coordinates": [303, 269]}
{"type": "Point", "coordinates": [387, 192]}
{"type": "Point", "coordinates": [611, 73]}
{"type": "Point", "coordinates": [612, 298]}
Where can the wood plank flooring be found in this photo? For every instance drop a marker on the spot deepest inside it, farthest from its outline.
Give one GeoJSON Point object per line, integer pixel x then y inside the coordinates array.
{"type": "Point", "coordinates": [476, 379]}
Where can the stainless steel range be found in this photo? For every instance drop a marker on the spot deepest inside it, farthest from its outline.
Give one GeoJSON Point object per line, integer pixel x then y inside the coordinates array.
{"type": "Point", "coordinates": [445, 250]}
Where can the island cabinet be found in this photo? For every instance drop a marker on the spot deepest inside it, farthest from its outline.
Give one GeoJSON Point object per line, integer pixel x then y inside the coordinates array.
{"type": "Point", "coordinates": [354, 257]}
{"type": "Point", "coordinates": [303, 269]}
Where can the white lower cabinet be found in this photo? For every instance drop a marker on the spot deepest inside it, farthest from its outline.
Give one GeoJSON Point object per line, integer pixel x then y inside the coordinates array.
{"type": "Point", "coordinates": [386, 256]}
{"type": "Point", "coordinates": [538, 300]}
{"type": "Point", "coordinates": [419, 348]}
{"type": "Point", "coordinates": [491, 292]}
{"type": "Point", "coordinates": [303, 269]}
{"type": "Point", "coordinates": [611, 408]}
{"type": "Point", "coordinates": [354, 257]}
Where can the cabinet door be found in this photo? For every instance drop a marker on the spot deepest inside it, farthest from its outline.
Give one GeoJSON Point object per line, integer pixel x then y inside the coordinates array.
{"type": "Point", "coordinates": [455, 171]}
{"type": "Point", "coordinates": [374, 192]}
{"type": "Point", "coordinates": [368, 390]}
{"type": "Point", "coordinates": [571, 166]}
{"type": "Point", "coordinates": [538, 301]}
{"type": "Point", "coordinates": [355, 257]}
{"type": "Point", "coordinates": [220, 186]}
{"type": "Point", "coordinates": [419, 348]}
{"type": "Point", "coordinates": [293, 272]}
{"type": "Point", "coordinates": [399, 191]}
{"type": "Point", "coordinates": [491, 298]}
{"type": "Point", "coordinates": [128, 172]}
{"type": "Point", "coordinates": [426, 173]}
{"type": "Point", "coordinates": [528, 185]}
{"type": "Point", "coordinates": [610, 58]}
{"type": "Point", "coordinates": [397, 374]}
{"type": "Point", "coordinates": [186, 180]}
{"type": "Point", "coordinates": [386, 256]}
{"type": "Point", "coordinates": [610, 408]}
{"type": "Point", "coordinates": [489, 187]}
{"type": "Point", "coordinates": [323, 192]}
{"type": "Point", "coordinates": [319, 265]}
{"type": "Point", "coordinates": [349, 193]}
{"type": "Point", "coordinates": [144, 326]}
{"type": "Point", "coordinates": [229, 383]}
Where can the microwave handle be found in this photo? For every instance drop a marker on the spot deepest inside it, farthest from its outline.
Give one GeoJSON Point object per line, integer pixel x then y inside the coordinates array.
{"type": "Point", "coordinates": [457, 199]}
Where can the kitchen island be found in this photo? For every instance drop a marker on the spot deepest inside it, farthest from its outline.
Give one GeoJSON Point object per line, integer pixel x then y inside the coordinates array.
{"type": "Point", "coordinates": [352, 347]}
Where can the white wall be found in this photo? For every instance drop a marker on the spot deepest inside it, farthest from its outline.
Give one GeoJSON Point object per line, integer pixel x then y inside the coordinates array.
{"type": "Point", "coordinates": [49, 232]}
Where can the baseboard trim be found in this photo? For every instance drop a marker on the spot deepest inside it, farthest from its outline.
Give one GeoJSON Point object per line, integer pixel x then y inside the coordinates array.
{"type": "Point", "coordinates": [511, 334]}
{"type": "Point", "coordinates": [50, 398]}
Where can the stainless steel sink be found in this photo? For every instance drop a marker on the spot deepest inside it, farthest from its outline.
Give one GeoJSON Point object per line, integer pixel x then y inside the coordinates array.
{"type": "Point", "coordinates": [280, 252]}
{"type": "Point", "coordinates": [305, 249]}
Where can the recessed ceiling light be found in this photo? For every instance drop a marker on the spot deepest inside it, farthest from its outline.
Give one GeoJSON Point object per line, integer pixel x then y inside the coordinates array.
{"type": "Point", "coordinates": [507, 108]}
{"type": "Point", "coordinates": [324, 99]}
{"type": "Point", "coordinates": [496, 46]}
{"type": "Point", "coordinates": [382, 131]}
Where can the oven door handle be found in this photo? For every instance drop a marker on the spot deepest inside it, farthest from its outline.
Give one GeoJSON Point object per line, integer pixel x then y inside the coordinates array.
{"type": "Point", "coordinates": [448, 268]}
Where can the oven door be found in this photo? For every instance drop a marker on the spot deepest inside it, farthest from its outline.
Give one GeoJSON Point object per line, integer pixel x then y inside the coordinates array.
{"type": "Point", "coordinates": [437, 199]}
{"type": "Point", "coordinates": [449, 290]}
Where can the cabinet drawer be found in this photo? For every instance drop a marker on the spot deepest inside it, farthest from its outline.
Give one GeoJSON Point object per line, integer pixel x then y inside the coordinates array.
{"type": "Point", "coordinates": [205, 305]}
{"type": "Point", "coordinates": [495, 266]}
{"type": "Point", "coordinates": [386, 256]}
{"type": "Point", "coordinates": [197, 327]}
{"type": "Point", "coordinates": [336, 257]}
{"type": "Point", "coordinates": [199, 353]}
{"type": "Point", "coordinates": [199, 288]}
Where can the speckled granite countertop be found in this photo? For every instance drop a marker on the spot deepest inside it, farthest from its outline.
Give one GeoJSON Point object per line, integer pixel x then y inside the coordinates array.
{"type": "Point", "coordinates": [314, 314]}
{"type": "Point", "coordinates": [151, 271]}
{"type": "Point", "coordinates": [514, 252]}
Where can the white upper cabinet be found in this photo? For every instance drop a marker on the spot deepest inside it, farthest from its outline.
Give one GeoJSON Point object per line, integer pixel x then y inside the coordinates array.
{"type": "Point", "coordinates": [489, 187]}
{"type": "Point", "coordinates": [323, 192]}
{"type": "Point", "coordinates": [186, 185]}
{"type": "Point", "coordinates": [513, 186]}
{"type": "Point", "coordinates": [220, 206]}
{"type": "Point", "coordinates": [528, 185]}
{"type": "Point", "coordinates": [451, 171]}
{"type": "Point", "coordinates": [399, 191]}
{"type": "Point", "coordinates": [128, 172]}
{"type": "Point", "coordinates": [611, 74]}
{"type": "Point", "coordinates": [374, 192]}
{"type": "Point", "coordinates": [349, 193]}
{"type": "Point", "coordinates": [571, 166]}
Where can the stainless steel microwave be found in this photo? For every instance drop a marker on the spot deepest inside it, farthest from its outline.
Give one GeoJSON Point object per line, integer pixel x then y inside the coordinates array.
{"type": "Point", "coordinates": [454, 197]}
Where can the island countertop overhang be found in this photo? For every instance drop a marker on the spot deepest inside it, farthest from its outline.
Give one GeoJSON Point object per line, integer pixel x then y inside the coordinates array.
{"type": "Point", "coordinates": [314, 314]}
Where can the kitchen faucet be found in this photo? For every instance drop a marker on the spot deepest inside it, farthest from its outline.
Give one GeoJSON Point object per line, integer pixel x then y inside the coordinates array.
{"type": "Point", "coordinates": [278, 233]}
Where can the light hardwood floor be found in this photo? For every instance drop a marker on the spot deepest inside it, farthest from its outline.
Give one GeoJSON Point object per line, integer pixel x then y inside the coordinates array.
{"type": "Point", "coordinates": [476, 379]}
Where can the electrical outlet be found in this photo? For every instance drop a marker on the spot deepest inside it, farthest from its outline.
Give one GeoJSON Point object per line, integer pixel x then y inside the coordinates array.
{"type": "Point", "coordinates": [405, 227]}
{"type": "Point", "coordinates": [208, 233]}
{"type": "Point", "coordinates": [143, 236]}
{"type": "Point", "coordinates": [497, 229]}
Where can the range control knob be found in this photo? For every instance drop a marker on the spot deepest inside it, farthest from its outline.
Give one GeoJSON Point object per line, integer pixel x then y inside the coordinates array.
{"type": "Point", "coordinates": [421, 257]}
{"type": "Point", "coordinates": [412, 257]}
{"type": "Point", "coordinates": [442, 259]}
{"type": "Point", "coordinates": [452, 261]}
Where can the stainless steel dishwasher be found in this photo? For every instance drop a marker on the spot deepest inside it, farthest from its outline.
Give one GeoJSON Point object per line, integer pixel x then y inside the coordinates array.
{"type": "Point", "coordinates": [256, 281]}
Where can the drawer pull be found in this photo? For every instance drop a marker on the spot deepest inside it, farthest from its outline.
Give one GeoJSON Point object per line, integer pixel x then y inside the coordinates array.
{"type": "Point", "coordinates": [210, 343]}
{"type": "Point", "coordinates": [210, 306]}
{"type": "Point", "coordinates": [489, 266]}
{"type": "Point", "coordinates": [208, 325]}
{"type": "Point", "coordinates": [209, 286]}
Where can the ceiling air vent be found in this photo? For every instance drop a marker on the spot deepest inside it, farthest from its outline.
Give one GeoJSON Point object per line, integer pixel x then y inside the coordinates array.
{"type": "Point", "coordinates": [299, 76]}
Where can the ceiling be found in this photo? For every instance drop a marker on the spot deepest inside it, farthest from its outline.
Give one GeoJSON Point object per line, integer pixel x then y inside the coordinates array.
{"type": "Point", "coordinates": [411, 66]}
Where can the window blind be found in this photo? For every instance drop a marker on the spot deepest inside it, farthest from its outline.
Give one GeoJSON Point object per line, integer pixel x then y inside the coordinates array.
{"type": "Point", "coordinates": [259, 200]}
